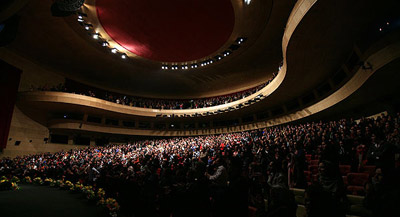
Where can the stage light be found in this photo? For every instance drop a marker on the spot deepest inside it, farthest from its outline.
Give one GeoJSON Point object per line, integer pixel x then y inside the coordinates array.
{"type": "Point", "coordinates": [104, 44]}
{"type": "Point", "coordinates": [96, 36]}
{"type": "Point", "coordinates": [80, 20]}
{"type": "Point", "coordinates": [114, 50]}
{"type": "Point", "coordinates": [123, 56]}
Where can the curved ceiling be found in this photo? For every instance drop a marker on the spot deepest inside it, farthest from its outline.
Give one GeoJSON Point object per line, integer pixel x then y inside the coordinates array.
{"type": "Point", "coordinates": [62, 45]}
{"type": "Point", "coordinates": [317, 49]}
{"type": "Point", "coordinates": [168, 31]}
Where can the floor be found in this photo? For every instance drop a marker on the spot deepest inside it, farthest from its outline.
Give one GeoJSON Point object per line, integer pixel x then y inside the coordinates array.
{"type": "Point", "coordinates": [43, 201]}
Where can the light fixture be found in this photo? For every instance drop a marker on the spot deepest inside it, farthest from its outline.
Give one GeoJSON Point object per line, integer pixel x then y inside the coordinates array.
{"type": "Point", "coordinates": [123, 56]}
{"type": "Point", "coordinates": [104, 44]}
{"type": "Point", "coordinates": [247, 2]}
{"type": "Point", "coordinates": [114, 50]}
{"type": "Point", "coordinates": [87, 27]}
{"type": "Point", "coordinates": [96, 35]}
{"type": "Point", "coordinates": [80, 20]}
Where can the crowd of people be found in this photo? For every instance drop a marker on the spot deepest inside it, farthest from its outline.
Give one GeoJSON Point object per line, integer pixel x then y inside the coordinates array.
{"type": "Point", "coordinates": [222, 175]}
{"type": "Point", "coordinates": [157, 103]}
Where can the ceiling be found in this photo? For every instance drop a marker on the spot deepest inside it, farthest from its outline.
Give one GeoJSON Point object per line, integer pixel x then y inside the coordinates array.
{"type": "Point", "coordinates": [61, 45]}
{"type": "Point", "coordinates": [319, 46]}
{"type": "Point", "coordinates": [168, 31]}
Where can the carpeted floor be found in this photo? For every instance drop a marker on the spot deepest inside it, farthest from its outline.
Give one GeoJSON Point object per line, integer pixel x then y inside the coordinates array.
{"type": "Point", "coordinates": [42, 201]}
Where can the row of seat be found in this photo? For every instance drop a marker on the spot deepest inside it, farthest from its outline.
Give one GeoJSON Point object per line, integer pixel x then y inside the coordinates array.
{"type": "Point", "coordinates": [354, 182]}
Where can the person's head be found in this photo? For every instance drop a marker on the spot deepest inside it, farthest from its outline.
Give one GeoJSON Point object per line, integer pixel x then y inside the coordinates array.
{"type": "Point", "coordinates": [321, 168]}
{"type": "Point", "coordinates": [378, 177]}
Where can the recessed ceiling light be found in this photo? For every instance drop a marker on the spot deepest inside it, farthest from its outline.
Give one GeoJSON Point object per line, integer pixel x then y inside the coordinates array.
{"type": "Point", "coordinates": [96, 35]}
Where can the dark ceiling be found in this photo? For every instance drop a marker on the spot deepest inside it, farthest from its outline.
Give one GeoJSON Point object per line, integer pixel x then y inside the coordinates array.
{"type": "Point", "coordinates": [323, 41]}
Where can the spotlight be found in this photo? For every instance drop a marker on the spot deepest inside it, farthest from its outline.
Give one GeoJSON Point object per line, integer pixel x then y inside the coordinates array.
{"type": "Point", "coordinates": [80, 20]}
{"type": "Point", "coordinates": [96, 36]}
{"type": "Point", "coordinates": [123, 56]}
{"type": "Point", "coordinates": [80, 17]}
{"type": "Point", "coordinates": [104, 44]}
{"type": "Point", "coordinates": [87, 27]}
{"type": "Point", "coordinates": [114, 50]}
{"type": "Point", "coordinates": [218, 58]}
{"type": "Point", "coordinates": [240, 40]}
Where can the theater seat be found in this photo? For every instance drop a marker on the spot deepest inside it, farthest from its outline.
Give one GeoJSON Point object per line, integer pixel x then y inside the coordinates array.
{"type": "Point", "coordinates": [315, 177]}
{"type": "Point", "coordinates": [308, 157]}
{"type": "Point", "coordinates": [313, 169]}
{"type": "Point", "coordinates": [355, 190]}
{"type": "Point", "coordinates": [307, 174]}
{"type": "Point", "coordinates": [252, 211]}
{"type": "Point", "coordinates": [344, 169]}
{"type": "Point", "coordinates": [369, 170]}
{"type": "Point", "coordinates": [345, 182]}
{"type": "Point", "coordinates": [356, 183]}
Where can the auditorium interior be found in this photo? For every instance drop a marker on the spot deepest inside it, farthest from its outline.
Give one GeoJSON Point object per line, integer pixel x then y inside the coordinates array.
{"type": "Point", "coordinates": [254, 108]}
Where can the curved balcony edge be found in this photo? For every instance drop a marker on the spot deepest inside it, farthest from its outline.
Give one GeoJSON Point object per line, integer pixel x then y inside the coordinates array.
{"type": "Point", "coordinates": [378, 60]}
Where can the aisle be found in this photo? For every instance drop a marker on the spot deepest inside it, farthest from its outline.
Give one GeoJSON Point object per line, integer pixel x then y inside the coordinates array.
{"type": "Point", "coordinates": [42, 201]}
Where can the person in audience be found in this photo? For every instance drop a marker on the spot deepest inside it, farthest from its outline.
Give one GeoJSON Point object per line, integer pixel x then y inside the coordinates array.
{"type": "Point", "coordinates": [78, 88]}
{"type": "Point", "coordinates": [331, 182]}
{"type": "Point", "coordinates": [174, 176]}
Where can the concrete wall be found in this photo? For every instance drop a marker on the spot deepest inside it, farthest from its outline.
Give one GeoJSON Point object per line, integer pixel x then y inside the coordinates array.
{"type": "Point", "coordinates": [31, 136]}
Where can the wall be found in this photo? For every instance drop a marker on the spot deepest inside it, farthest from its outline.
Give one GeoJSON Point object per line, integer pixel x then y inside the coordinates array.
{"type": "Point", "coordinates": [32, 74]}
{"type": "Point", "coordinates": [31, 135]}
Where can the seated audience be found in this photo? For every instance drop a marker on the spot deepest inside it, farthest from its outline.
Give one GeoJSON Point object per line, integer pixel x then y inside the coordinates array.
{"type": "Point", "coordinates": [223, 175]}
